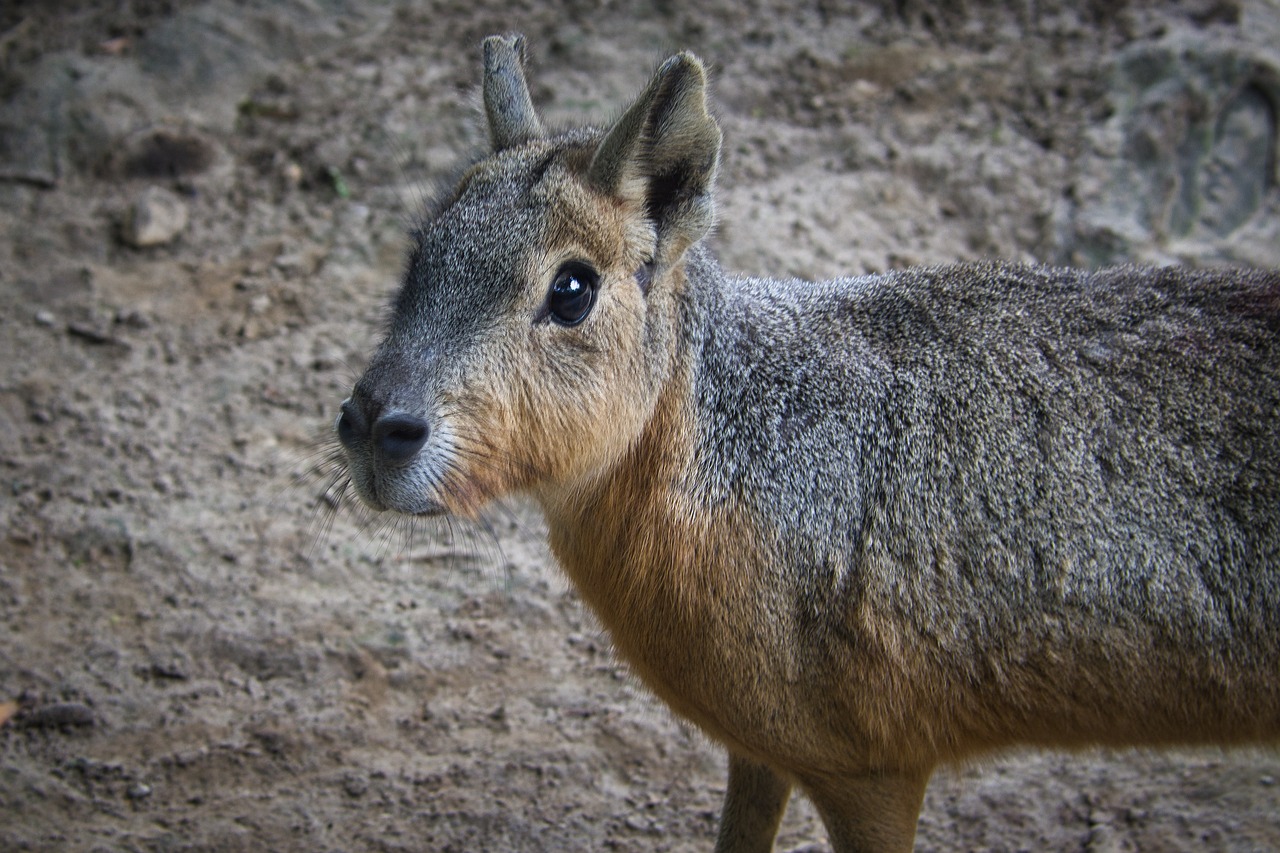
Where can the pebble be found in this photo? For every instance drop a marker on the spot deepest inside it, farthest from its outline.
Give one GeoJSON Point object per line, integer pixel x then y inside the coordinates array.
{"type": "Point", "coordinates": [167, 670]}
{"type": "Point", "coordinates": [133, 318]}
{"type": "Point", "coordinates": [157, 217]}
{"type": "Point", "coordinates": [355, 785]}
{"type": "Point", "coordinates": [58, 715]}
{"type": "Point", "coordinates": [94, 333]}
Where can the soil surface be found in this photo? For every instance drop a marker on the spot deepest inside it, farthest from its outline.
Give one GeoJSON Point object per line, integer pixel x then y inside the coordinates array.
{"type": "Point", "coordinates": [204, 207]}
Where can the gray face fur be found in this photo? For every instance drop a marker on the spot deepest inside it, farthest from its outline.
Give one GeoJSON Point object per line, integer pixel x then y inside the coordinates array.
{"type": "Point", "coordinates": [466, 282]}
{"type": "Point", "coordinates": [481, 388]}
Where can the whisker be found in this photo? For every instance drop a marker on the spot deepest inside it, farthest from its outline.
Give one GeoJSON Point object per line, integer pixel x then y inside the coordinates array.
{"type": "Point", "coordinates": [322, 476]}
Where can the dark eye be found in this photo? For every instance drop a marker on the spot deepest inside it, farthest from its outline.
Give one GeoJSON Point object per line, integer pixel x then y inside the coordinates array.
{"type": "Point", "coordinates": [573, 292]}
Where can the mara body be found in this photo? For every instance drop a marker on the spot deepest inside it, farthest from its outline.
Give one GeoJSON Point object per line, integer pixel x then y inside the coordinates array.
{"type": "Point", "coordinates": [851, 529]}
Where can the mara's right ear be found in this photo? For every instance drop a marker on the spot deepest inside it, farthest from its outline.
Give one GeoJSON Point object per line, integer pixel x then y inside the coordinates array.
{"type": "Point", "coordinates": [663, 154]}
{"type": "Point", "coordinates": [507, 105]}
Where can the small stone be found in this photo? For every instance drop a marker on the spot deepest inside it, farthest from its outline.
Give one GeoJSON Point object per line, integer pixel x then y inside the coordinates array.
{"type": "Point", "coordinates": [46, 318]}
{"type": "Point", "coordinates": [94, 333]}
{"type": "Point", "coordinates": [167, 670]}
{"type": "Point", "coordinates": [58, 715]}
{"type": "Point", "coordinates": [138, 791]}
{"type": "Point", "coordinates": [133, 318]}
{"type": "Point", "coordinates": [355, 785]}
{"type": "Point", "coordinates": [156, 218]}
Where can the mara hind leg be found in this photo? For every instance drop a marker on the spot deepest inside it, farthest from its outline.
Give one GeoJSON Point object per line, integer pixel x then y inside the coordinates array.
{"type": "Point", "coordinates": [754, 801]}
{"type": "Point", "coordinates": [877, 812]}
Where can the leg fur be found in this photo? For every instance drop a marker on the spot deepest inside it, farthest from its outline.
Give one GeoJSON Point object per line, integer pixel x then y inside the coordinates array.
{"type": "Point", "coordinates": [753, 805]}
{"type": "Point", "coordinates": [873, 813]}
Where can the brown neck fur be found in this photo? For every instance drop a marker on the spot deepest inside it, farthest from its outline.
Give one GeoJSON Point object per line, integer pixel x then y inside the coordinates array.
{"type": "Point", "coordinates": [619, 538]}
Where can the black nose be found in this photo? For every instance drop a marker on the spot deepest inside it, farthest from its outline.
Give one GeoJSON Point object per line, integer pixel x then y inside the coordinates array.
{"type": "Point", "coordinates": [351, 426]}
{"type": "Point", "coordinates": [399, 436]}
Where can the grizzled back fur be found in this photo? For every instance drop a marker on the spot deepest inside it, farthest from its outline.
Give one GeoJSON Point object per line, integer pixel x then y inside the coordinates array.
{"type": "Point", "coordinates": [851, 529]}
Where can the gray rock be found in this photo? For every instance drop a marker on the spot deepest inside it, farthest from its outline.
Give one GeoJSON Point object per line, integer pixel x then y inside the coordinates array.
{"type": "Point", "coordinates": [157, 217]}
{"type": "Point", "coordinates": [68, 112]}
{"type": "Point", "coordinates": [1187, 157]}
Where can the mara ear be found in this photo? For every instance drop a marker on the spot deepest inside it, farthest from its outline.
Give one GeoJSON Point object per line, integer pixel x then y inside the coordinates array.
{"type": "Point", "coordinates": [663, 154]}
{"type": "Point", "coordinates": [507, 104]}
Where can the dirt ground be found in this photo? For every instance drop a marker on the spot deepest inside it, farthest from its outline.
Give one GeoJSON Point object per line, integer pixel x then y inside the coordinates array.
{"type": "Point", "coordinates": [199, 651]}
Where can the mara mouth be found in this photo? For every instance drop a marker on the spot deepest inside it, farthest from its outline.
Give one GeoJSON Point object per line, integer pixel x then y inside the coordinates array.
{"type": "Point", "coordinates": [418, 507]}
{"type": "Point", "coordinates": [381, 495]}
{"type": "Point", "coordinates": [434, 510]}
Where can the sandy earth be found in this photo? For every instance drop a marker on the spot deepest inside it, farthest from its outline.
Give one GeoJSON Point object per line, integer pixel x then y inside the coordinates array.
{"type": "Point", "coordinates": [202, 650]}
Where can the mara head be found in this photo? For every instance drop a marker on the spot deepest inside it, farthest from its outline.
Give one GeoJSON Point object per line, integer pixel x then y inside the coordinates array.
{"type": "Point", "coordinates": [536, 323]}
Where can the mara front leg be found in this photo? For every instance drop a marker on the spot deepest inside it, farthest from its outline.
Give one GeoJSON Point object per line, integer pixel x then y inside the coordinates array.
{"type": "Point", "coordinates": [754, 801]}
{"type": "Point", "coordinates": [877, 812]}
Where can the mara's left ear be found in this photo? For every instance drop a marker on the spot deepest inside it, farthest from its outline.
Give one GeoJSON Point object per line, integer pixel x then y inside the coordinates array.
{"type": "Point", "coordinates": [507, 105]}
{"type": "Point", "coordinates": [663, 153]}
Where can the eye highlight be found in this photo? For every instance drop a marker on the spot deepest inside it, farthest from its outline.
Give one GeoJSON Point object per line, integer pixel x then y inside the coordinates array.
{"type": "Point", "coordinates": [573, 293]}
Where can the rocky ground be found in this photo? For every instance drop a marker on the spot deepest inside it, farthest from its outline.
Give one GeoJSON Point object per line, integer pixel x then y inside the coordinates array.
{"type": "Point", "coordinates": [204, 205]}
